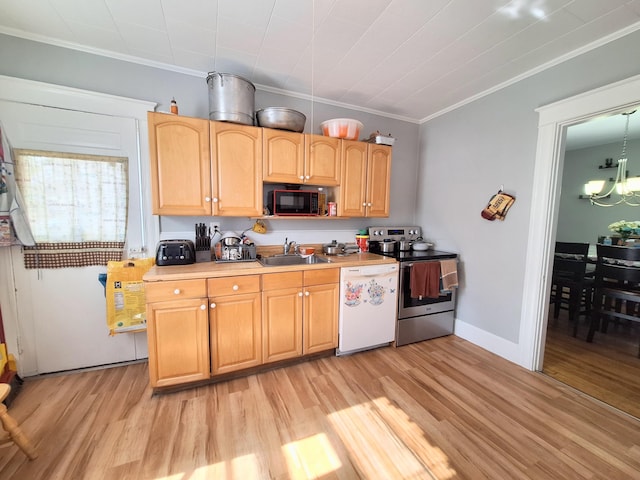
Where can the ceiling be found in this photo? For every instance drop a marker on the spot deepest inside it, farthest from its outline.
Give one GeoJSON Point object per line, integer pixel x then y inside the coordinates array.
{"type": "Point", "coordinates": [410, 59]}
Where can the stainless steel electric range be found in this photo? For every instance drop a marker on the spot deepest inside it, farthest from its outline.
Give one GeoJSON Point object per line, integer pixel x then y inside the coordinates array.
{"type": "Point", "coordinates": [419, 318]}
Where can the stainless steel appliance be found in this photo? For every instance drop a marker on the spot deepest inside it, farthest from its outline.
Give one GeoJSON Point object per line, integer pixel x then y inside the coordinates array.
{"type": "Point", "coordinates": [418, 318]}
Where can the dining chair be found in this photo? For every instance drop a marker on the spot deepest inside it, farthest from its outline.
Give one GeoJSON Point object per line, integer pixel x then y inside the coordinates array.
{"type": "Point", "coordinates": [616, 287]}
{"type": "Point", "coordinates": [571, 286]}
{"type": "Point", "coordinates": [13, 432]}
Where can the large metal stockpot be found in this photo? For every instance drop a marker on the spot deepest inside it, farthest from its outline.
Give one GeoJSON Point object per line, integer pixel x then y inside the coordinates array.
{"type": "Point", "coordinates": [231, 98]}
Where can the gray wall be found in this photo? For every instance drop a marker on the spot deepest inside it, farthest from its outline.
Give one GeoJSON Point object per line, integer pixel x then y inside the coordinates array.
{"type": "Point", "coordinates": [35, 61]}
{"type": "Point", "coordinates": [444, 171]}
{"type": "Point", "coordinates": [467, 154]}
{"type": "Point", "coordinates": [578, 220]}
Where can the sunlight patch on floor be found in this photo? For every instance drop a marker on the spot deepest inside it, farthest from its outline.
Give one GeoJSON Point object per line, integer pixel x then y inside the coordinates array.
{"type": "Point", "coordinates": [241, 468]}
{"type": "Point", "coordinates": [311, 457]}
{"type": "Point", "coordinates": [384, 443]}
{"type": "Point", "coordinates": [415, 439]}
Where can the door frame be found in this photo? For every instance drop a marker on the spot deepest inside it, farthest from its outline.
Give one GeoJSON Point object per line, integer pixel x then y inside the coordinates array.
{"type": "Point", "coordinates": [554, 119]}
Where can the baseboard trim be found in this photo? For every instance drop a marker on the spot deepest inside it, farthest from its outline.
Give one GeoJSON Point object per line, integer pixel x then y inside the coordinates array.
{"type": "Point", "coordinates": [498, 345]}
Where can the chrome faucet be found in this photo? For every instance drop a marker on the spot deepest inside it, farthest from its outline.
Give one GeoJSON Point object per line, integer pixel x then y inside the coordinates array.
{"type": "Point", "coordinates": [289, 245]}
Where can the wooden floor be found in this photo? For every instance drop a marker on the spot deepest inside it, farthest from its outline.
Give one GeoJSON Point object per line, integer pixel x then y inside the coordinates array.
{"type": "Point", "coordinates": [442, 409]}
{"type": "Point", "coordinates": [607, 369]}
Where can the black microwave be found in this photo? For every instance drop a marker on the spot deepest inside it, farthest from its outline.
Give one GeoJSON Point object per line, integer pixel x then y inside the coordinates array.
{"type": "Point", "coordinates": [293, 202]}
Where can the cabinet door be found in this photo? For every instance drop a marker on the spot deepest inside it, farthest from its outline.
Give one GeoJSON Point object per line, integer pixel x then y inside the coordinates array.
{"type": "Point", "coordinates": [281, 324]}
{"type": "Point", "coordinates": [281, 316]}
{"type": "Point", "coordinates": [236, 332]}
{"type": "Point", "coordinates": [283, 156]}
{"type": "Point", "coordinates": [378, 180]}
{"type": "Point", "coordinates": [320, 319]}
{"type": "Point", "coordinates": [180, 165]}
{"type": "Point", "coordinates": [322, 160]}
{"type": "Point", "coordinates": [353, 188]}
{"type": "Point", "coordinates": [236, 159]}
{"type": "Point", "coordinates": [178, 336]}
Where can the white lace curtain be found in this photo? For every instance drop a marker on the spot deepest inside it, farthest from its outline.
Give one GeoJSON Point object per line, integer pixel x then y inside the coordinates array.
{"type": "Point", "coordinates": [73, 198]}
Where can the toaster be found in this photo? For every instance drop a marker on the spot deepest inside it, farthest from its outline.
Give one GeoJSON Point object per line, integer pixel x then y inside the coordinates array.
{"type": "Point", "coordinates": [175, 252]}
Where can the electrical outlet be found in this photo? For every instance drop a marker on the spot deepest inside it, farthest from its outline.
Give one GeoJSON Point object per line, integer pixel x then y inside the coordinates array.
{"type": "Point", "coordinates": [214, 226]}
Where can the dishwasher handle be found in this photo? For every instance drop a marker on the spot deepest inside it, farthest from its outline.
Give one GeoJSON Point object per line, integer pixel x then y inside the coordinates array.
{"type": "Point", "coordinates": [371, 271]}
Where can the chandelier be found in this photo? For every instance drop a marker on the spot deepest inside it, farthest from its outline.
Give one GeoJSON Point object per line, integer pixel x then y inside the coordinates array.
{"type": "Point", "coordinates": [627, 189]}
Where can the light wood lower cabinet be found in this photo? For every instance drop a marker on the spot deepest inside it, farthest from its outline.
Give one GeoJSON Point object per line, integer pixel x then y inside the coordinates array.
{"type": "Point", "coordinates": [320, 318]}
{"type": "Point", "coordinates": [177, 332]}
{"type": "Point", "coordinates": [281, 316]}
{"type": "Point", "coordinates": [300, 313]}
{"type": "Point", "coordinates": [206, 327]}
{"type": "Point", "coordinates": [235, 323]}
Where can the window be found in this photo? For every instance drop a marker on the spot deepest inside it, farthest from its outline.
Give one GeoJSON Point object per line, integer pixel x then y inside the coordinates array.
{"type": "Point", "coordinates": [76, 205]}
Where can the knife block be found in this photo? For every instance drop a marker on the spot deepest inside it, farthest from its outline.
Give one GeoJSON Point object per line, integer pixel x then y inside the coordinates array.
{"type": "Point", "coordinates": [203, 256]}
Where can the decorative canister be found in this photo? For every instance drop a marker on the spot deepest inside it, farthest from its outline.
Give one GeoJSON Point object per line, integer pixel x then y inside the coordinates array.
{"type": "Point", "coordinates": [363, 242]}
{"type": "Point", "coordinates": [333, 209]}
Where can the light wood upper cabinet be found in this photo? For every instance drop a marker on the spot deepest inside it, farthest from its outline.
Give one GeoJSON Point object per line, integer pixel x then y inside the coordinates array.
{"type": "Point", "coordinates": [180, 165]}
{"type": "Point", "coordinates": [236, 159]}
{"type": "Point", "coordinates": [177, 332]}
{"type": "Point", "coordinates": [283, 153]}
{"type": "Point", "coordinates": [378, 180]}
{"type": "Point", "coordinates": [235, 323]}
{"type": "Point", "coordinates": [295, 158]}
{"type": "Point", "coordinates": [322, 160]}
{"type": "Point", "coordinates": [351, 194]}
{"type": "Point", "coordinates": [364, 190]}
{"type": "Point", "coordinates": [201, 168]}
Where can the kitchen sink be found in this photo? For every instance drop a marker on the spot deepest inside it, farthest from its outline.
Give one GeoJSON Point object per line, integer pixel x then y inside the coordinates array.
{"type": "Point", "coordinates": [280, 260]}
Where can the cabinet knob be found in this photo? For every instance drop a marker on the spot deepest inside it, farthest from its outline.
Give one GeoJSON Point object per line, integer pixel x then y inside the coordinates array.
{"type": "Point", "coordinates": [213, 305]}
{"type": "Point", "coordinates": [369, 204]}
{"type": "Point", "coordinates": [177, 291]}
{"type": "Point", "coordinates": [364, 204]}
{"type": "Point", "coordinates": [207, 199]}
{"type": "Point", "coordinates": [235, 288]}
{"type": "Point", "coordinates": [215, 199]}
{"type": "Point", "coordinates": [307, 177]}
{"type": "Point", "coordinates": [301, 177]}
{"type": "Point", "coordinates": [299, 294]}
{"type": "Point", "coordinates": [203, 307]}
{"type": "Point", "coordinates": [306, 294]}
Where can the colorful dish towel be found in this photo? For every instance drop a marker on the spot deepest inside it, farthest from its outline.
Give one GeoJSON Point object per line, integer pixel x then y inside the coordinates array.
{"type": "Point", "coordinates": [425, 280]}
{"type": "Point", "coordinates": [449, 273]}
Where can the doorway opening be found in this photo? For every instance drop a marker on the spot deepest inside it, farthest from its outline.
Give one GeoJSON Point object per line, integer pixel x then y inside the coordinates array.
{"type": "Point", "coordinates": [554, 120]}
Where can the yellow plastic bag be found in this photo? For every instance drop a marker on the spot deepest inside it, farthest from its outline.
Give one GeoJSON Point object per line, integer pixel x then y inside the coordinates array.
{"type": "Point", "coordinates": [126, 311]}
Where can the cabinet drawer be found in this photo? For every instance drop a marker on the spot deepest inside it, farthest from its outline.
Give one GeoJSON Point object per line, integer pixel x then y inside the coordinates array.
{"type": "Point", "coordinates": [277, 281]}
{"type": "Point", "coordinates": [171, 290]}
{"type": "Point", "coordinates": [320, 277]}
{"type": "Point", "coordinates": [233, 285]}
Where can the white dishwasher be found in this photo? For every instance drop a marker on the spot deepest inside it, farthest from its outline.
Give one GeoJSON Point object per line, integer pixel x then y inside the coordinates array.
{"type": "Point", "coordinates": [368, 307]}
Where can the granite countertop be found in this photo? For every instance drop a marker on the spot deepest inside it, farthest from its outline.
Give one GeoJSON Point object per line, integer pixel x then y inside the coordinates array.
{"type": "Point", "coordinates": [213, 269]}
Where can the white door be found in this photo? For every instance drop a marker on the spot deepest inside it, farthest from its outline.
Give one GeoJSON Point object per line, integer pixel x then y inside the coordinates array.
{"type": "Point", "coordinates": [62, 312]}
